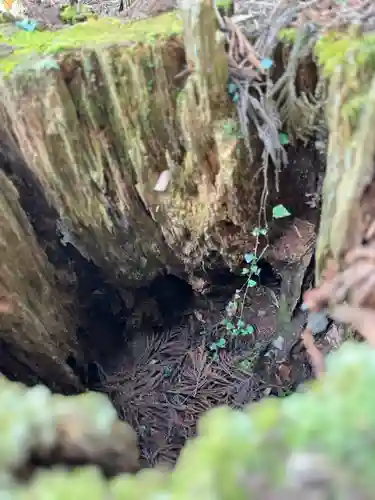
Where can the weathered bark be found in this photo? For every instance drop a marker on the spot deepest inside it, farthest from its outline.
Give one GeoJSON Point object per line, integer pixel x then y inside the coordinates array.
{"type": "Point", "coordinates": [99, 130]}
{"type": "Point", "coordinates": [38, 329]}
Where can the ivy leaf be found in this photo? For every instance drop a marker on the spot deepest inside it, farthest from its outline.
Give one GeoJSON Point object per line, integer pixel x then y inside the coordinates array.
{"type": "Point", "coordinates": [221, 342]}
{"type": "Point", "coordinates": [245, 271]}
{"type": "Point", "coordinates": [250, 329]}
{"type": "Point", "coordinates": [249, 257]}
{"type": "Point", "coordinates": [251, 283]}
{"type": "Point", "coordinates": [284, 139]}
{"type": "Point", "coordinates": [27, 25]}
{"type": "Point", "coordinates": [279, 212]}
{"type": "Point", "coordinates": [266, 63]}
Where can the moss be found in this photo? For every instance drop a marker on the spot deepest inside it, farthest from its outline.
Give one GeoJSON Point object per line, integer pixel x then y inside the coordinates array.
{"type": "Point", "coordinates": [94, 32]}
{"type": "Point", "coordinates": [353, 54]}
{"type": "Point", "coordinates": [35, 420]}
{"type": "Point", "coordinates": [321, 438]}
{"type": "Point", "coordinates": [69, 14]}
{"type": "Point", "coordinates": [288, 35]}
{"type": "Point", "coordinates": [226, 7]}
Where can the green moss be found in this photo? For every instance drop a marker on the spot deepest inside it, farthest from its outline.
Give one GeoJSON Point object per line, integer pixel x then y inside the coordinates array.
{"type": "Point", "coordinates": [279, 446]}
{"type": "Point", "coordinates": [70, 15]}
{"type": "Point", "coordinates": [353, 54]}
{"type": "Point", "coordinates": [347, 50]}
{"type": "Point", "coordinates": [94, 32]}
{"type": "Point", "coordinates": [225, 6]}
{"type": "Point", "coordinates": [288, 35]}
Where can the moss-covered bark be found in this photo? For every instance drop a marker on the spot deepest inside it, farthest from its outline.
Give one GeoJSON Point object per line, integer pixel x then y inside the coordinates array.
{"type": "Point", "coordinates": [99, 124]}
{"type": "Point", "coordinates": [348, 207]}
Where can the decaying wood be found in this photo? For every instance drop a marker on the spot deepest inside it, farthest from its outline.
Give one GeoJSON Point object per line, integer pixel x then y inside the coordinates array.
{"type": "Point", "coordinates": [147, 173]}
{"type": "Point", "coordinates": [37, 324]}
{"type": "Point", "coordinates": [98, 135]}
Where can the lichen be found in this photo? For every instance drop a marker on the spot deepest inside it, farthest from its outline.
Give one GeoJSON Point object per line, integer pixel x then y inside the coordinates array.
{"type": "Point", "coordinates": [93, 33]}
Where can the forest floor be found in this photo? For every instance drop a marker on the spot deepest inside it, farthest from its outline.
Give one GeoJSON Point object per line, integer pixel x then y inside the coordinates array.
{"type": "Point", "coordinates": [166, 379]}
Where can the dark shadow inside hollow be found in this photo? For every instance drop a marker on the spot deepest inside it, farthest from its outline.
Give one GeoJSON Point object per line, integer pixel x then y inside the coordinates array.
{"type": "Point", "coordinates": [172, 295]}
{"type": "Point", "coordinates": [268, 276]}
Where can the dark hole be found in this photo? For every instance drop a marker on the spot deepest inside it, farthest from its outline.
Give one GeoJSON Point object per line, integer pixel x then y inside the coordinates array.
{"type": "Point", "coordinates": [172, 294]}
{"type": "Point", "coordinates": [267, 276]}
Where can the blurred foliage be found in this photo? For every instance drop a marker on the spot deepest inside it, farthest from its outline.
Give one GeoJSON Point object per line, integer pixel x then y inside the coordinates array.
{"type": "Point", "coordinates": [38, 425]}
{"type": "Point", "coordinates": [317, 444]}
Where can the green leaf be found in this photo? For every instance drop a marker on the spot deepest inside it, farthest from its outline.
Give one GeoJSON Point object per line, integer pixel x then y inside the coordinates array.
{"type": "Point", "coordinates": [221, 342]}
{"type": "Point", "coordinates": [250, 329]}
{"type": "Point", "coordinates": [251, 283]}
{"type": "Point", "coordinates": [284, 139]}
{"type": "Point", "coordinates": [249, 257]}
{"type": "Point", "coordinates": [229, 326]}
{"type": "Point", "coordinates": [245, 364]}
{"type": "Point", "coordinates": [240, 323]}
{"type": "Point", "coordinates": [259, 231]}
{"type": "Point", "coordinates": [245, 270]}
{"type": "Point", "coordinates": [279, 212]}
{"type": "Point", "coordinates": [213, 346]}
{"type": "Point", "coordinates": [167, 371]}
{"type": "Point", "coordinates": [254, 269]}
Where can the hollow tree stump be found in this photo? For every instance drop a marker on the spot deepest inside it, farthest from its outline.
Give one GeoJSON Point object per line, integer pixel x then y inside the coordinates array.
{"type": "Point", "coordinates": [110, 109]}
